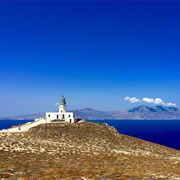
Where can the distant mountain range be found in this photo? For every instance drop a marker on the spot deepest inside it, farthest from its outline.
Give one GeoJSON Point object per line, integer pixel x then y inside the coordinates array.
{"type": "Point", "coordinates": [140, 112]}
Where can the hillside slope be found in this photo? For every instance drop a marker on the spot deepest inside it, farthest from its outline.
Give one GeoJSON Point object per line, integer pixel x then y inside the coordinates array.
{"type": "Point", "coordinates": [83, 151]}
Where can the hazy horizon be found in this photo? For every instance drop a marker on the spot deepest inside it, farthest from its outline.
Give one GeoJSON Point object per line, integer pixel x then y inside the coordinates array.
{"type": "Point", "coordinates": [40, 113]}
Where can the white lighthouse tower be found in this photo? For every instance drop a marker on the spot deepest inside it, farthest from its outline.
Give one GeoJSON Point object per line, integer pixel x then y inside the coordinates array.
{"type": "Point", "coordinates": [62, 106]}
{"type": "Point", "coordinates": [62, 115]}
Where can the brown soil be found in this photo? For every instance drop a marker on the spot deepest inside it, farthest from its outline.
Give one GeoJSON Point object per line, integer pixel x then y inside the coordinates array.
{"type": "Point", "coordinates": [83, 151]}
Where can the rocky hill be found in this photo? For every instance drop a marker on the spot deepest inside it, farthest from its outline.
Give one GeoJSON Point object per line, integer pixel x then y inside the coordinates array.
{"type": "Point", "coordinates": [83, 151]}
{"type": "Point", "coordinates": [140, 112]}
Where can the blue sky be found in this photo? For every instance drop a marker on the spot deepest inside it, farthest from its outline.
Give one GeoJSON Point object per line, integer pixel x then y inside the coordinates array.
{"type": "Point", "coordinates": [94, 53]}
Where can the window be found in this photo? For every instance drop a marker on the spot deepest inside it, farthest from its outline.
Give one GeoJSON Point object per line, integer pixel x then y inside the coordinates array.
{"type": "Point", "coordinates": [69, 115]}
{"type": "Point", "coordinates": [49, 115]}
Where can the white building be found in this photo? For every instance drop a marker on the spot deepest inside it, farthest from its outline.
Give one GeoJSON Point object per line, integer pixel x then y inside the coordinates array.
{"type": "Point", "coordinates": [62, 115]}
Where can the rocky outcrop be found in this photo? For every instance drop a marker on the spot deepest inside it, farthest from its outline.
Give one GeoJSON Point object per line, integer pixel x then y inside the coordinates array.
{"type": "Point", "coordinates": [83, 151]}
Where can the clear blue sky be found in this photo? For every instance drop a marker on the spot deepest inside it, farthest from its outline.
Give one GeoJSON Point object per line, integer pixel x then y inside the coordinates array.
{"type": "Point", "coordinates": [95, 53]}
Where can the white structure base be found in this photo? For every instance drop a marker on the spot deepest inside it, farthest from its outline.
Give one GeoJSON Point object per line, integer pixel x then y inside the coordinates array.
{"type": "Point", "coordinates": [56, 116]}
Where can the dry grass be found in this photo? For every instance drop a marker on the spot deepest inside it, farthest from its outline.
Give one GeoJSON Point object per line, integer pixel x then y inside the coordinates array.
{"type": "Point", "coordinates": [83, 151]}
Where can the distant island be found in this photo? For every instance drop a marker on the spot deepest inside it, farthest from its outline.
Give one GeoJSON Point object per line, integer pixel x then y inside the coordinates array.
{"type": "Point", "coordinates": [141, 112]}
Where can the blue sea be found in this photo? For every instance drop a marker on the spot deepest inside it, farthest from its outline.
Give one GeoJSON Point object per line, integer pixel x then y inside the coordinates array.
{"type": "Point", "coordinates": [4, 124]}
{"type": "Point", "coordinates": [164, 132]}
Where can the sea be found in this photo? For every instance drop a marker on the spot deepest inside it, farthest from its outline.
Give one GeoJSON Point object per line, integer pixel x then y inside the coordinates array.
{"type": "Point", "coordinates": [164, 132]}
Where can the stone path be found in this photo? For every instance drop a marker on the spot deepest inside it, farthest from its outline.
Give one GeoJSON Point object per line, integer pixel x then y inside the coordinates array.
{"type": "Point", "coordinates": [24, 127]}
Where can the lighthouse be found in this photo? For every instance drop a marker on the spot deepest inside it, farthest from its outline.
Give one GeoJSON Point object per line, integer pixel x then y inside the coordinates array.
{"type": "Point", "coordinates": [62, 106]}
{"type": "Point", "coordinates": [62, 115]}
